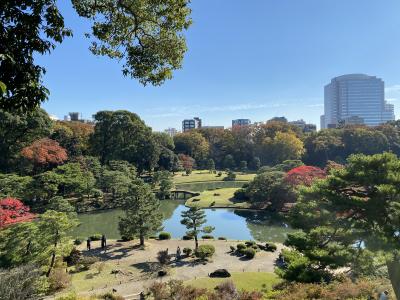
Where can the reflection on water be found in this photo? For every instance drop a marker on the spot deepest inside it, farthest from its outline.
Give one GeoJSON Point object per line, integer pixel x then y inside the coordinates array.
{"type": "Point", "coordinates": [229, 223]}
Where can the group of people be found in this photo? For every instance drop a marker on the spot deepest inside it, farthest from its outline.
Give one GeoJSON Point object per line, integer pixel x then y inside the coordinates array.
{"type": "Point", "coordinates": [103, 243]}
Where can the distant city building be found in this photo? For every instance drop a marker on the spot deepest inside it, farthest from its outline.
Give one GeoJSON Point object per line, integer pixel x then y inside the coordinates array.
{"type": "Point", "coordinates": [278, 119]}
{"type": "Point", "coordinates": [213, 127]}
{"type": "Point", "coordinates": [74, 116]}
{"type": "Point", "coordinates": [304, 126]}
{"type": "Point", "coordinates": [190, 124]}
{"type": "Point", "coordinates": [171, 132]}
{"type": "Point", "coordinates": [241, 122]}
{"type": "Point", "coordinates": [356, 95]}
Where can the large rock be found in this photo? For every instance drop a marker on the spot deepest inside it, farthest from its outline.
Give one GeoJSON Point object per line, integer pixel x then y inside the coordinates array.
{"type": "Point", "coordinates": [220, 273]}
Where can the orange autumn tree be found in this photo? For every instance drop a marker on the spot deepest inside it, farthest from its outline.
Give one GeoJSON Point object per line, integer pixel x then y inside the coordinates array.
{"type": "Point", "coordinates": [13, 211]}
{"type": "Point", "coordinates": [45, 153]}
{"type": "Point", "coordinates": [304, 175]}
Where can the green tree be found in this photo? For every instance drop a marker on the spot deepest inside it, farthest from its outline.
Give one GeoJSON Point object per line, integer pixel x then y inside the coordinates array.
{"type": "Point", "coordinates": [116, 178]}
{"type": "Point", "coordinates": [243, 166]}
{"type": "Point", "coordinates": [53, 228]}
{"type": "Point", "coordinates": [356, 205]}
{"type": "Point", "coordinates": [30, 28]}
{"type": "Point", "coordinates": [62, 205]}
{"type": "Point", "coordinates": [191, 143]}
{"type": "Point", "coordinates": [255, 163]}
{"type": "Point", "coordinates": [269, 188]}
{"type": "Point", "coordinates": [122, 135]}
{"type": "Point", "coordinates": [164, 181]}
{"type": "Point", "coordinates": [284, 146]}
{"type": "Point", "coordinates": [142, 216]}
{"type": "Point", "coordinates": [12, 185]}
{"type": "Point", "coordinates": [145, 35]}
{"type": "Point", "coordinates": [194, 218]}
{"type": "Point", "coordinates": [19, 130]}
{"type": "Point", "coordinates": [73, 180]}
{"type": "Point", "coordinates": [45, 186]}
{"type": "Point", "coordinates": [210, 165]}
{"type": "Point", "coordinates": [229, 162]}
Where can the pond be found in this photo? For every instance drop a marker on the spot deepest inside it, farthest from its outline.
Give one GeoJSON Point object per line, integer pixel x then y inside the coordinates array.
{"type": "Point", "coordinates": [229, 223]}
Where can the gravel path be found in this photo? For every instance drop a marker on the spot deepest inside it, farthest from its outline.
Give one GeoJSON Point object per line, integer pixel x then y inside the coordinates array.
{"type": "Point", "coordinates": [143, 264]}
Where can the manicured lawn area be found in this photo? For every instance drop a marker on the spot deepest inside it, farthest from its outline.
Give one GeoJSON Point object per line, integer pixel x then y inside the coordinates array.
{"type": "Point", "coordinates": [221, 197]}
{"type": "Point", "coordinates": [249, 281]}
{"type": "Point", "coordinates": [205, 175]}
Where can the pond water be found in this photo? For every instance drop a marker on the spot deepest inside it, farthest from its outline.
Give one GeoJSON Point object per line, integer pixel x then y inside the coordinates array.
{"type": "Point", "coordinates": [229, 223]}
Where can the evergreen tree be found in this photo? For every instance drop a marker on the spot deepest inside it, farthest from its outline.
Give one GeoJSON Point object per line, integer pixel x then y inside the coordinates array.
{"type": "Point", "coordinates": [194, 218]}
{"type": "Point", "coordinates": [142, 215]}
{"type": "Point", "coordinates": [350, 218]}
{"type": "Point", "coordinates": [211, 165]}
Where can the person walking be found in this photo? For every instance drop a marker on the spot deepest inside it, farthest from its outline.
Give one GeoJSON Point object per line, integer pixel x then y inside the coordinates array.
{"type": "Point", "coordinates": [178, 253]}
{"type": "Point", "coordinates": [88, 246]}
{"type": "Point", "coordinates": [103, 242]}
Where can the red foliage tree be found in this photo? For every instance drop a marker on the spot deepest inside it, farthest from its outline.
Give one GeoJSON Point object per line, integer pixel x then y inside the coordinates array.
{"type": "Point", "coordinates": [13, 211]}
{"type": "Point", "coordinates": [304, 175]}
{"type": "Point", "coordinates": [45, 152]}
{"type": "Point", "coordinates": [186, 161]}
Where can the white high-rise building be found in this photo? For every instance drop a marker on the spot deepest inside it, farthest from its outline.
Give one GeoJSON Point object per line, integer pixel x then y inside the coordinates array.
{"type": "Point", "coordinates": [356, 97]}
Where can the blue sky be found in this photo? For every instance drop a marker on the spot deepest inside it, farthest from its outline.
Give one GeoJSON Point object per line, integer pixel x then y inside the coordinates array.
{"type": "Point", "coordinates": [247, 59]}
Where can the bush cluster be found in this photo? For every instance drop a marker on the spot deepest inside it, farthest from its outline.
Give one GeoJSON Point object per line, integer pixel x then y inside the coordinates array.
{"type": "Point", "coordinates": [164, 236]}
{"type": "Point", "coordinates": [205, 251]}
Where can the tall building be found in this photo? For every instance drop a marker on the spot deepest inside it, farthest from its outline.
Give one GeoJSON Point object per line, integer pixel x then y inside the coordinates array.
{"type": "Point", "coordinates": [350, 98]}
{"type": "Point", "coordinates": [74, 116]}
{"type": "Point", "coordinates": [241, 122]}
{"type": "Point", "coordinates": [171, 131]}
{"type": "Point", "coordinates": [305, 127]}
{"type": "Point", "coordinates": [190, 124]}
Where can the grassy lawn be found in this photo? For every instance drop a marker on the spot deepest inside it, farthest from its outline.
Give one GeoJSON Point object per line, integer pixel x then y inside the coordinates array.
{"type": "Point", "coordinates": [221, 197]}
{"type": "Point", "coordinates": [249, 281]}
{"type": "Point", "coordinates": [205, 176]}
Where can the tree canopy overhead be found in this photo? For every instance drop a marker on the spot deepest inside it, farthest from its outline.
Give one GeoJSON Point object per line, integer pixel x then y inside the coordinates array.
{"type": "Point", "coordinates": [145, 34]}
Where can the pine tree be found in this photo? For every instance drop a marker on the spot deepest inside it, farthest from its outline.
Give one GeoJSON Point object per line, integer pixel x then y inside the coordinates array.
{"type": "Point", "coordinates": [142, 215]}
{"type": "Point", "coordinates": [194, 218]}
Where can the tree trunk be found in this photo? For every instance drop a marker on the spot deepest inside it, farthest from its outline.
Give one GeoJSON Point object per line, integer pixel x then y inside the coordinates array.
{"type": "Point", "coordinates": [196, 242]}
{"type": "Point", "coordinates": [141, 237]}
{"type": "Point", "coordinates": [393, 266]}
{"type": "Point", "coordinates": [53, 258]}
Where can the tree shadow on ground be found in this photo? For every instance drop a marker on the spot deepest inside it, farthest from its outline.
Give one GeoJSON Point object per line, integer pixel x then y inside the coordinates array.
{"type": "Point", "coordinates": [190, 263]}
{"type": "Point", "coordinates": [115, 252]}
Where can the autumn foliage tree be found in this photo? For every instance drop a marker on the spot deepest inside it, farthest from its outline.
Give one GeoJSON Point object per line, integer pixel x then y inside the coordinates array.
{"type": "Point", "coordinates": [13, 211]}
{"type": "Point", "coordinates": [304, 175]}
{"type": "Point", "coordinates": [45, 153]}
{"type": "Point", "coordinates": [187, 162]}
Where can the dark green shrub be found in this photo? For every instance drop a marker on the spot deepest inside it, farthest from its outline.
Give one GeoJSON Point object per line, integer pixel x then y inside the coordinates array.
{"type": "Point", "coordinates": [219, 174]}
{"type": "Point", "coordinates": [207, 237]}
{"type": "Point", "coordinates": [95, 237]}
{"type": "Point", "coordinates": [126, 238]}
{"type": "Point", "coordinates": [222, 238]}
{"type": "Point", "coordinates": [164, 236]}
{"type": "Point", "coordinates": [196, 200]}
{"type": "Point", "coordinates": [233, 249]}
{"type": "Point", "coordinates": [212, 203]}
{"type": "Point", "coordinates": [250, 253]}
{"type": "Point", "coordinates": [217, 194]}
{"type": "Point", "coordinates": [271, 247]}
{"type": "Point", "coordinates": [205, 251]}
{"type": "Point", "coordinates": [152, 237]}
{"type": "Point", "coordinates": [241, 246]}
{"type": "Point", "coordinates": [250, 243]}
{"type": "Point", "coordinates": [111, 296]}
{"type": "Point", "coordinates": [77, 242]}
{"type": "Point", "coordinates": [187, 251]}
{"type": "Point", "coordinates": [187, 237]}
{"type": "Point", "coordinates": [73, 258]}
{"type": "Point", "coordinates": [85, 262]}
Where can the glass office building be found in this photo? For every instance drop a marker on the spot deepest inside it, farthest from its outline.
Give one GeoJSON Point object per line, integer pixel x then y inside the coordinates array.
{"type": "Point", "coordinates": [356, 97]}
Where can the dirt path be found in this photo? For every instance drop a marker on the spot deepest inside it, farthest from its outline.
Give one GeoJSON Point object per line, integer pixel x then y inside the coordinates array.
{"type": "Point", "coordinates": [138, 268]}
